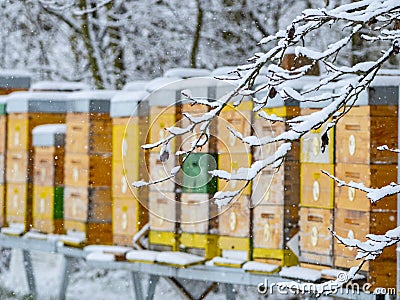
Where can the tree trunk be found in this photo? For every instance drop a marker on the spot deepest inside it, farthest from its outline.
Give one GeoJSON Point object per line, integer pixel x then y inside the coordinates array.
{"type": "Point", "coordinates": [197, 33]}
{"type": "Point", "coordinates": [93, 62]}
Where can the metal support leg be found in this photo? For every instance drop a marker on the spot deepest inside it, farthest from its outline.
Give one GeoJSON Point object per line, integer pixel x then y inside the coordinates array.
{"type": "Point", "coordinates": [29, 273]}
{"type": "Point", "coordinates": [153, 280]}
{"type": "Point", "coordinates": [137, 285]}
{"type": "Point", "coordinates": [230, 295]}
{"type": "Point", "coordinates": [66, 271]}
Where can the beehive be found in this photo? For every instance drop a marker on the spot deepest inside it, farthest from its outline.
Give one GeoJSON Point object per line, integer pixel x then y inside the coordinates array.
{"type": "Point", "coordinates": [234, 226]}
{"type": "Point", "coordinates": [10, 81]}
{"type": "Point", "coordinates": [317, 189]}
{"type": "Point", "coordinates": [48, 177]}
{"type": "Point", "coordinates": [356, 224]}
{"type": "Point", "coordinates": [277, 186]}
{"type": "Point", "coordinates": [232, 162]}
{"type": "Point", "coordinates": [315, 239]}
{"type": "Point", "coordinates": [196, 177]}
{"type": "Point", "coordinates": [238, 118]}
{"type": "Point", "coordinates": [371, 176]}
{"type": "Point", "coordinates": [129, 112]}
{"type": "Point", "coordinates": [273, 227]}
{"type": "Point", "coordinates": [87, 210]}
{"type": "Point", "coordinates": [88, 166]}
{"type": "Point", "coordinates": [198, 213]}
{"type": "Point", "coordinates": [311, 142]}
{"type": "Point", "coordinates": [27, 110]}
{"type": "Point", "coordinates": [362, 130]}
{"type": "Point", "coordinates": [263, 128]}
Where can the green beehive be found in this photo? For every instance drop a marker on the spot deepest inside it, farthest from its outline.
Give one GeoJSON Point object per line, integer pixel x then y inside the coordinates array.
{"type": "Point", "coordinates": [196, 178]}
{"type": "Point", "coordinates": [58, 212]}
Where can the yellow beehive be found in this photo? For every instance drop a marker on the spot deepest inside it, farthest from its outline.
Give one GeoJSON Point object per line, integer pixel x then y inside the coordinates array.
{"type": "Point", "coordinates": [238, 118]}
{"type": "Point", "coordinates": [317, 189]}
{"type": "Point", "coordinates": [231, 162]}
{"type": "Point", "coordinates": [311, 142]}
{"type": "Point", "coordinates": [263, 128]}
{"type": "Point", "coordinates": [315, 240]}
{"type": "Point", "coordinates": [277, 187]}
{"type": "Point", "coordinates": [19, 204]}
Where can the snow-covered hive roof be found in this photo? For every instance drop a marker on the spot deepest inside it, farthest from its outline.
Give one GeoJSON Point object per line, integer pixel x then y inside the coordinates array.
{"type": "Point", "coordinates": [49, 135]}
{"type": "Point", "coordinates": [15, 79]}
{"type": "Point", "coordinates": [169, 93]}
{"type": "Point", "coordinates": [184, 73]}
{"type": "Point", "coordinates": [45, 102]}
{"type": "Point", "coordinates": [129, 103]}
{"type": "Point", "coordinates": [137, 85]}
{"type": "Point", "coordinates": [383, 90]}
{"type": "Point", "coordinates": [223, 71]}
{"type": "Point", "coordinates": [60, 86]}
{"type": "Point", "coordinates": [91, 101]}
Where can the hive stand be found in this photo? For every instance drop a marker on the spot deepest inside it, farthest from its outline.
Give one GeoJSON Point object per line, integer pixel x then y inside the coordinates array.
{"type": "Point", "coordinates": [213, 275]}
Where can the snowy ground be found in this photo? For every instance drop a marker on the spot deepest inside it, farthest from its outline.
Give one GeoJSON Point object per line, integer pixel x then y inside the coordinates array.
{"type": "Point", "coordinates": [90, 283]}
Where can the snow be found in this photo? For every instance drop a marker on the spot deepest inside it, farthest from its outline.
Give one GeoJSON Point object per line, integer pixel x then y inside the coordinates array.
{"type": "Point", "coordinates": [260, 267]}
{"type": "Point", "coordinates": [138, 85]}
{"type": "Point", "coordinates": [300, 273]}
{"type": "Point", "coordinates": [160, 82]}
{"type": "Point", "coordinates": [91, 101]}
{"type": "Point", "coordinates": [72, 239]}
{"type": "Point", "coordinates": [335, 273]}
{"type": "Point", "coordinates": [66, 86]}
{"type": "Point", "coordinates": [49, 135]}
{"type": "Point", "coordinates": [100, 256]}
{"type": "Point", "coordinates": [227, 261]}
{"type": "Point", "coordinates": [186, 73]}
{"type": "Point", "coordinates": [178, 258]}
{"type": "Point", "coordinates": [14, 73]}
{"type": "Point", "coordinates": [129, 103]}
{"type": "Point", "coordinates": [35, 235]}
{"type": "Point", "coordinates": [224, 72]}
{"type": "Point", "coordinates": [142, 255]}
{"type": "Point", "coordinates": [106, 249]}
{"type": "Point", "coordinates": [37, 101]}
{"type": "Point", "coordinates": [13, 229]}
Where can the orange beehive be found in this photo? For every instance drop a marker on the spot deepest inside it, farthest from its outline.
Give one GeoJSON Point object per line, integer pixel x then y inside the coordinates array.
{"type": "Point", "coordinates": [88, 167]}
{"type": "Point", "coordinates": [357, 224]}
{"type": "Point", "coordinates": [362, 130]}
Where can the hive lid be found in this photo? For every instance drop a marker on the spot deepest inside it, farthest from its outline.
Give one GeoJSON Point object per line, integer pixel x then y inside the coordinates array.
{"type": "Point", "coordinates": [49, 135]}
{"type": "Point", "coordinates": [137, 85]}
{"type": "Point", "coordinates": [44, 102]}
{"type": "Point", "coordinates": [129, 103]}
{"type": "Point", "coordinates": [383, 90]}
{"type": "Point", "coordinates": [175, 91]}
{"type": "Point", "coordinates": [187, 73]}
{"type": "Point", "coordinates": [91, 101]}
{"type": "Point", "coordinates": [15, 79]}
{"type": "Point", "coordinates": [60, 86]}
